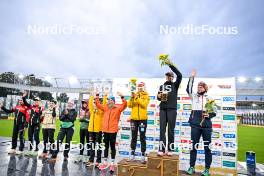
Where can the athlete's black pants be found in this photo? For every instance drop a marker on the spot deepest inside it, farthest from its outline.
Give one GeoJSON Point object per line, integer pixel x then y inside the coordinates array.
{"type": "Point", "coordinates": [33, 135]}
{"type": "Point", "coordinates": [48, 136]}
{"type": "Point", "coordinates": [141, 126]}
{"type": "Point", "coordinates": [95, 141]}
{"type": "Point", "coordinates": [196, 133]}
{"type": "Point", "coordinates": [84, 136]}
{"type": "Point", "coordinates": [167, 117]}
{"type": "Point", "coordinates": [18, 129]}
{"type": "Point", "coordinates": [64, 132]}
{"type": "Point", "coordinates": [110, 139]}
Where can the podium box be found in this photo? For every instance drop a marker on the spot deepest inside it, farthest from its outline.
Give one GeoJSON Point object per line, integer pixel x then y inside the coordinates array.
{"type": "Point", "coordinates": [155, 166]}
{"type": "Point", "coordinates": [125, 168]}
{"type": "Point", "coordinates": [168, 165]}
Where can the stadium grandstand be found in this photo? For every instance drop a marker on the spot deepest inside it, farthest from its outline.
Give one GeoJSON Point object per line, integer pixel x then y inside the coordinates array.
{"type": "Point", "coordinates": [250, 100]}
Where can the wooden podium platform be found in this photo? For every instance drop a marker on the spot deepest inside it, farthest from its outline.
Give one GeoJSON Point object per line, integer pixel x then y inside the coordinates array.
{"type": "Point", "coordinates": [155, 166]}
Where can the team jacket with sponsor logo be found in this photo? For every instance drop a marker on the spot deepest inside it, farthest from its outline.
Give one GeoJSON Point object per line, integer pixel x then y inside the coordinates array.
{"type": "Point", "coordinates": [139, 106]}
{"type": "Point", "coordinates": [84, 118]}
{"type": "Point", "coordinates": [35, 113]}
{"type": "Point", "coordinates": [96, 116]}
{"type": "Point", "coordinates": [67, 120]}
{"type": "Point", "coordinates": [172, 88]}
{"type": "Point", "coordinates": [21, 114]}
{"type": "Point", "coordinates": [111, 115]}
{"type": "Point", "coordinates": [49, 119]}
{"type": "Point", "coordinates": [198, 107]}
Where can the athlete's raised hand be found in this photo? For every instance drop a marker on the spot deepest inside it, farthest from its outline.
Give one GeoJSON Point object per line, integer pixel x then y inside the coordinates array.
{"type": "Point", "coordinates": [193, 73]}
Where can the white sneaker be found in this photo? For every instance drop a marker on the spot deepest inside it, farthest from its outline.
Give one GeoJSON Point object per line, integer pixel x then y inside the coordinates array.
{"type": "Point", "coordinates": [169, 154]}
{"type": "Point", "coordinates": [27, 152]}
{"type": "Point", "coordinates": [142, 160]}
{"type": "Point", "coordinates": [160, 153]}
{"type": "Point", "coordinates": [12, 151]}
{"type": "Point", "coordinates": [131, 158]}
{"type": "Point", "coordinates": [19, 152]}
{"type": "Point", "coordinates": [85, 159]}
{"type": "Point", "coordinates": [80, 158]}
{"type": "Point", "coordinates": [34, 153]}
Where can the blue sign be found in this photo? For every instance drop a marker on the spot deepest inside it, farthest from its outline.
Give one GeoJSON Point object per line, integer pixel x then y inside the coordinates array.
{"type": "Point", "coordinates": [228, 99]}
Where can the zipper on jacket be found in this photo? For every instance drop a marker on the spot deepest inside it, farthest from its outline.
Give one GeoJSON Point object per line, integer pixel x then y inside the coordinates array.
{"type": "Point", "coordinates": [17, 116]}
{"type": "Point", "coordinates": [93, 120]}
{"type": "Point", "coordinates": [32, 116]}
{"type": "Point", "coordinates": [138, 109]}
{"type": "Point", "coordinates": [138, 112]}
{"type": "Point", "coordinates": [109, 119]}
{"type": "Point", "coordinates": [52, 117]}
{"type": "Point", "coordinates": [202, 111]}
{"type": "Point", "coordinates": [22, 118]}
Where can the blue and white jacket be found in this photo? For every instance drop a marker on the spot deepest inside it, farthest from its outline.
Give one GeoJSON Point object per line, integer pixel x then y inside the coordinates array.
{"type": "Point", "coordinates": [198, 107]}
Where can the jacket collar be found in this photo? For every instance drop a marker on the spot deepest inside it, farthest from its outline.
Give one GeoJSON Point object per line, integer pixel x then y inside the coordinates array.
{"type": "Point", "coordinates": [204, 94]}
{"type": "Point", "coordinates": [168, 82]}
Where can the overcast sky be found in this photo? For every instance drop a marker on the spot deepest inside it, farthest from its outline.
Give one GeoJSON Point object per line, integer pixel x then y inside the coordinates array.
{"type": "Point", "coordinates": [129, 38]}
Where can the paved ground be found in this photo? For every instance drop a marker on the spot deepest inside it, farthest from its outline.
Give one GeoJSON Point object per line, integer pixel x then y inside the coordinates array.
{"type": "Point", "coordinates": [14, 165]}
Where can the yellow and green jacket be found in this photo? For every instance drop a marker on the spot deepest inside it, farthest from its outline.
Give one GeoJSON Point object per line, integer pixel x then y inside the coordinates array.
{"type": "Point", "coordinates": [96, 116]}
{"type": "Point", "coordinates": [139, 105]}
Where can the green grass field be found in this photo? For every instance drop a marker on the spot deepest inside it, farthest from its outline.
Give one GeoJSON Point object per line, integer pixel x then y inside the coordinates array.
{"type": "Point", "coordinates": [7, 126]}
{"type": "Point", "coordinates": [249, 138]}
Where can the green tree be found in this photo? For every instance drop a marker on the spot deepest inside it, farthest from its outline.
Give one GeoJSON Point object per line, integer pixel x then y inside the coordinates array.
{"type": "Point", "coordinates": [10, 77]}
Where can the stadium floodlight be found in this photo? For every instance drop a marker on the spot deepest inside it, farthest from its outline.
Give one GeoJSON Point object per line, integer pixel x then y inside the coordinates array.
{"type": "Point", "coordinates": [73, 80]}
{"type": "Point", "coordinates": [20, 76]}
{"type": "Point", "coordinates": [48, 78]}
{"type": "Point", "coordinates": [254, 105]}
{"type": "Point", "coordinates": [242, 79]}
{"type": "Point", "coordinates": [258, 79]}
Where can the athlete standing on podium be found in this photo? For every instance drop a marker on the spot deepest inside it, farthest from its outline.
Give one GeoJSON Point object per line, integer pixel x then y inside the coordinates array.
{"type": "Point", "coordinates": [139, 115]}
{"type": "Point", "coordinates": [167, 94]}
{"type": "Point", "coordinates": [200, 122]}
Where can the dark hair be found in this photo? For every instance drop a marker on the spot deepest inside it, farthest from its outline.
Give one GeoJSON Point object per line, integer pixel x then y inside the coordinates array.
{"type": "Point", "coordinates": [54, 101]}
{"type": "Point", "coordinates": [204, 85]}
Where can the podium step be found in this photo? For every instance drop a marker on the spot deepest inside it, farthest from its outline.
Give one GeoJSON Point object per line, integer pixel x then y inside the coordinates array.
{"type": "Point", "coordinates": [168, 165]}
{"type": "Point", "coordinates": [155, 155]}
{"type": "Point", "coordinates": [125, 168]}
{"type": "Point", "coordinates": [136, 163]}
{"type": "Point", "coordinates": [155, 166]}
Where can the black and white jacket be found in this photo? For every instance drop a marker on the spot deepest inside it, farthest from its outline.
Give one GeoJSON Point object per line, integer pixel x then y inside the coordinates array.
{"type": "Point", "coordinates": [198, 107]}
